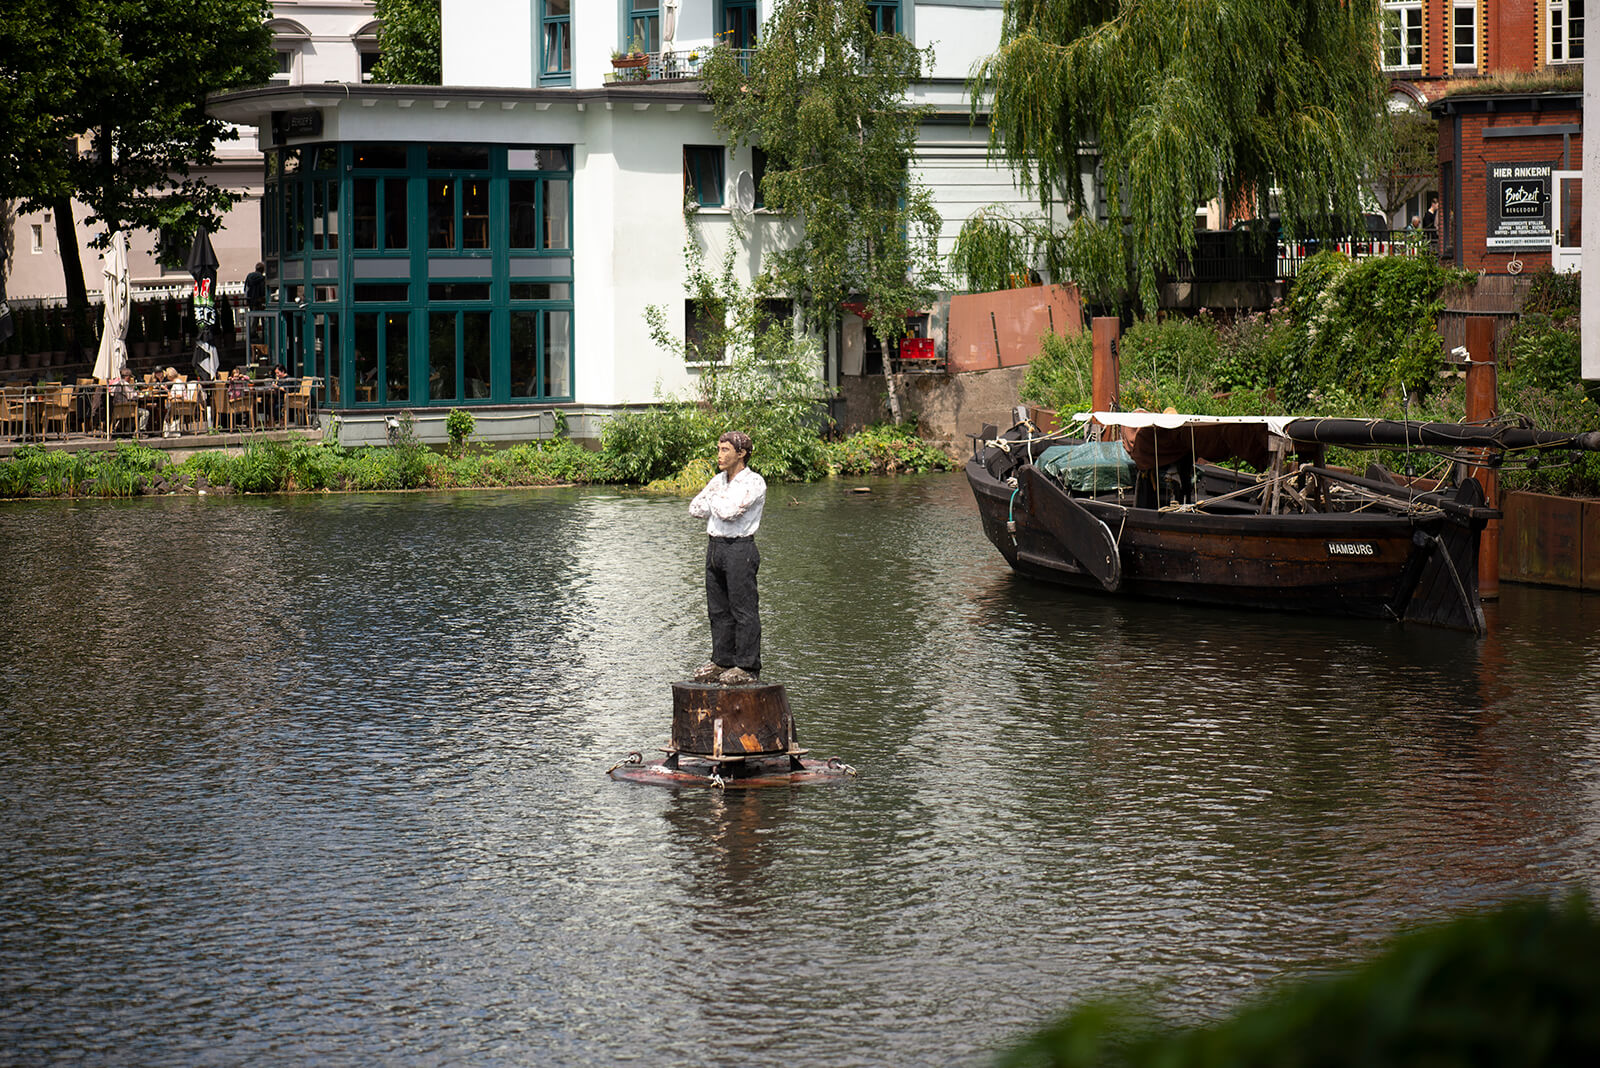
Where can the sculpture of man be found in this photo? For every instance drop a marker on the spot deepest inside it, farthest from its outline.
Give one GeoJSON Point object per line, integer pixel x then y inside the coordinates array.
{"type": "Point", "coordinates": [731, 505]}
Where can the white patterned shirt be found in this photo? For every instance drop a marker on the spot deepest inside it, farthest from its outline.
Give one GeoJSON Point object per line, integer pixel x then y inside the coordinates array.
{"type": "Point", "coordinates": [731, 509]}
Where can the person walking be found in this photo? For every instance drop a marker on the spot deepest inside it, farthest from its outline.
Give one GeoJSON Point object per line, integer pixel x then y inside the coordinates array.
{"type": "Point", "coordinates": [731, 505]}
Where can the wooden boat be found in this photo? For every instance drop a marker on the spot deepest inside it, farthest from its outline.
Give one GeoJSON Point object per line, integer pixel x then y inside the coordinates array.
{"type": "Point", "coordinates": [1155, 514]}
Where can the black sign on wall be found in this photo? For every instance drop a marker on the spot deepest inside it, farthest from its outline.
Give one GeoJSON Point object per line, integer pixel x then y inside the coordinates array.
{"type": "Point", "coordinates": [1519, 205]}
{"type": "Point", "coordinates": [304, 123]}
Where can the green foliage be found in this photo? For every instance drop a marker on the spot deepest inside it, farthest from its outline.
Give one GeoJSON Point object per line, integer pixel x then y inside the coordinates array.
{"type": "Point", "coordinates": [458, 427]}
{"type": "Point", "coordinates": [1512, 986]}
{"type": "Point", "coordinates": [409, 35]}
{"type": "Point", "coordinates": [1540, 352]}
{"type": "Point", "coordinates": [1171, 362]}
{"type": "Point", "coordinates": [642, 446]}
{"type": "Point", "coordinates": [1241, 99]}
{"type": "Point", "coordinates": [1364, 327]}
{"type": "Point", "coordinates": [1557, 294]}
{"type": "Point", "coordinates": [1061, 376]}
{"type": "Point", "coordinates": [1406, 160]}
{"type": "Point", "coordinates": [755, 374]}
{"type": "Point", "coordinates": [125, 75]}
{"type": "Point", "coordinates": [995, 250]}
{"type": "Point", "coordinates": [886, 449]}
{"type": "Point", "coordinates": [829, 100]}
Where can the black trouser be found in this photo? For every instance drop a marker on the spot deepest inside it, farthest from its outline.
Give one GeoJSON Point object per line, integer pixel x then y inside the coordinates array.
{"type": "Point", "coordinates": [731, 566]}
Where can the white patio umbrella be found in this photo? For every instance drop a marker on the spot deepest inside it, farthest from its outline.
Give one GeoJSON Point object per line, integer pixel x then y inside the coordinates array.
{"type": "Point", "coordinates": [113, 355]}
{"type": "Point", "coordinates": [669, 24]}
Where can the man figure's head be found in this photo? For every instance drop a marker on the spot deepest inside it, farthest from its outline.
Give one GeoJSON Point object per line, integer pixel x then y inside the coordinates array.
{"type": "Point", "coordinates": [733, 452]}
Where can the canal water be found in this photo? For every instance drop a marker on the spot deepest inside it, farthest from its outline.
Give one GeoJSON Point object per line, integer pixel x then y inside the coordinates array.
{"type": "Point", "coordinates": [321, 779]}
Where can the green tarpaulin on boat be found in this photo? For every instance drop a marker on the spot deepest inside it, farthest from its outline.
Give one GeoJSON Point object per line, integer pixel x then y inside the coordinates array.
{"type": "Point", "coordinates": [1092, 467]}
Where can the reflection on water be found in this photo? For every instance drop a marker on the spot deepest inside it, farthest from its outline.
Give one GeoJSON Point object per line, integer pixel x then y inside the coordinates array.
{"type": "Point", "coordinates": [320, 778]}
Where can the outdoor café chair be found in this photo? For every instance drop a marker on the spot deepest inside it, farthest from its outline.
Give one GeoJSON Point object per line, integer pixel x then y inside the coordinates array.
{"type": "Point", "coordinates": [58, 408]}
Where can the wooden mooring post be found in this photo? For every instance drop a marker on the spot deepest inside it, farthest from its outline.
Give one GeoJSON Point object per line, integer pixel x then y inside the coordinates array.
{"type": "Point", "coordinates": [1483, 405]}
{"type": "Point", "coordinates": [1105, 332]}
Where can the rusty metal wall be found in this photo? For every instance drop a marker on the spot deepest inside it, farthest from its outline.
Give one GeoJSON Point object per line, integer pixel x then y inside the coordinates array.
{"type": "Point", "coordinates": [1550, 541]}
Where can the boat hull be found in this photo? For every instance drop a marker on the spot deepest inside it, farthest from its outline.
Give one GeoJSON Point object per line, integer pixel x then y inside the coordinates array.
{"type": "Point", "coordinates": [1373, 565]}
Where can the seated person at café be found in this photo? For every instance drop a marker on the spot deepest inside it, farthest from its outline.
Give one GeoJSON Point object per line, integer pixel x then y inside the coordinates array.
{"type": "Point", "coordinates": [176, 388]}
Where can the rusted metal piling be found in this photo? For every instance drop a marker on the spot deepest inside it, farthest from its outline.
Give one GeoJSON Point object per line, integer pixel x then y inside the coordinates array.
{"type": "Point", "coordinates": [731, 736]}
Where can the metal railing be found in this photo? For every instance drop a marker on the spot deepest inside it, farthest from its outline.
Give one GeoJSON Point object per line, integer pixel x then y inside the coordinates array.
{"type": "Point", "coordinates": [1243, 256]}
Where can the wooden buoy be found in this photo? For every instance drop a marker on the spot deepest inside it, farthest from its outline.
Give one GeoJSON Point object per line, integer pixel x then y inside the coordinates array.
{"type": "Point", "coordinates": [731, 721]}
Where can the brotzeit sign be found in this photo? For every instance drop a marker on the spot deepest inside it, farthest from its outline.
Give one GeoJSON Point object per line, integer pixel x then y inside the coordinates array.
{"type": "Point", "coordinates": [1519, 205]}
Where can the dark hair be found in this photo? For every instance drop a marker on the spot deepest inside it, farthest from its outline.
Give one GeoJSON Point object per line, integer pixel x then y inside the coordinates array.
{"type": "Point", "coordinates": [740, 441]}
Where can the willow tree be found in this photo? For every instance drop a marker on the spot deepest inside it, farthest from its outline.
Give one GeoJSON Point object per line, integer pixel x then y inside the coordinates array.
{"type": "Point", "coordinates": [1255, 101]}
{"type": "Point", "coordinates": [827, 99]}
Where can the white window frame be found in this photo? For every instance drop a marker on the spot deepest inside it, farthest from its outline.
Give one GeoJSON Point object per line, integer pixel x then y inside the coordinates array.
{"type": "Point", "coordinates": [1562, 14]}
{"type": "Point", "coordinates": [1408, 17]}
{"type": "Point", "coordinates": [287, 57]}
{"type": "Point", "coordinates": [36, 238]}
{"type": "Point", "coordinates": [1464, 16]}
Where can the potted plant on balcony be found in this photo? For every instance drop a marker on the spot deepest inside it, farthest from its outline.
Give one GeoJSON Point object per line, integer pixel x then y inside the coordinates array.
{"type": "Point", "coordinates": [635, 57]}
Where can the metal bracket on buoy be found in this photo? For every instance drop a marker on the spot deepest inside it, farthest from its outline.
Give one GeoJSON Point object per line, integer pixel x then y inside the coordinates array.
{"type": "Point", "coordinates": [731, 736]}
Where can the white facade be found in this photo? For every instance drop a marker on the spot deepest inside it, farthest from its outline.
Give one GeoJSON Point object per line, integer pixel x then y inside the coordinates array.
{"type": "Point", "coordinates": [627, 140]}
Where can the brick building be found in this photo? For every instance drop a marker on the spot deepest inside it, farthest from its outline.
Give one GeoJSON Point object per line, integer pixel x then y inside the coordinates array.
{"type": "Point", "coordinates": [1501, 195]}
{"type": "Point", "coordinates": [1509, 179]}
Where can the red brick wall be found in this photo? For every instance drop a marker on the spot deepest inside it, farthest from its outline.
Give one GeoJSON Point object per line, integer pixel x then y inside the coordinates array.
{"type": "Point", "coordinates": [1477, 152]}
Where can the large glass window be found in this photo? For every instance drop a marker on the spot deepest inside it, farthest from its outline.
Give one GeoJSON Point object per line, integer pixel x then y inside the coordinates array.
{"type": "Point", "coordinates": [555, 42]}
{"type": "Point", "coordinates": [323, 359]}
{"type": "Point", "coordinates": [539, 215]}
{"type": "Point", "coordinates": [541, 354]}
{"type": "Point", "coordinates": [1566, 30]}
{"type": "Point", "coordinates": [1402, 35]}
{"type": "Point", "coordinates": [382, 361]}
{"type": "Point", "coordinates": [342, 215]}
{"type": "Point", "coordinates": [1464, 35]}
{"type": "Point", "coordinates": [458, 199]}
{"type": "Point", "coordinates": [459, 364]}
{"type": "Point", "coordinates": [884, 15]}
{"type": "Point", "coordinates": [703, 175]}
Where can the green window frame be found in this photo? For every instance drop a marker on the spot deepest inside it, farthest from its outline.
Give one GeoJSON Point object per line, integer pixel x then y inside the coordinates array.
{"type": "Point", "coordinates": [644, 25]}
{"type": "Point", "coordinates": [555, 42]}
{"type": "Point", "coordinates": [740, 22]}
{"type": "Point", "coordinates": [704, 174]}
{"type": "Point", "coordinates": [388, 321]}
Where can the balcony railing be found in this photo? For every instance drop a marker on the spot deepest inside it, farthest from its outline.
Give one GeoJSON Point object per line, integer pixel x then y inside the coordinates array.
{"type": "Point", "coordinates": [675, 65]}
{"type": "Point", "coordinates": [1237, 256]}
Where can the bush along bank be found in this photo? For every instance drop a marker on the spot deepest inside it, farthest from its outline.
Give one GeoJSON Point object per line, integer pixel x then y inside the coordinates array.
{"type": "Point", "coordinates": [1353, 338]}
{"type": "Point", "coordinates": [132, 470]}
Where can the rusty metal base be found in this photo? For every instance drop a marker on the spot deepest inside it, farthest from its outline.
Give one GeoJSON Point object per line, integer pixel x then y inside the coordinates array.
{"type": "Point", "coordinates": [682, 769]}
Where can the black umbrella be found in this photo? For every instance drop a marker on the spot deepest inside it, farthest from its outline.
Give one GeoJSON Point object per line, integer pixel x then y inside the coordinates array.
{"type": "Point", "coordinates": [202, 264]}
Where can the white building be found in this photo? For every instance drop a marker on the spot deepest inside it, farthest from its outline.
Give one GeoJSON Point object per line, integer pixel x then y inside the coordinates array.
{"type": "Point", "coordinates": [494, 242]}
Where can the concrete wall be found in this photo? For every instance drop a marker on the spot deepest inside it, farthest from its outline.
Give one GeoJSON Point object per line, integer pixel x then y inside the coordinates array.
{"type": "Point", "coordinates": [948, 407]}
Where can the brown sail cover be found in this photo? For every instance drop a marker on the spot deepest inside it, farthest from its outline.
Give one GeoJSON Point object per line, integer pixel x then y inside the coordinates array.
{"type": "Point", "coordinates": [1215, 443]}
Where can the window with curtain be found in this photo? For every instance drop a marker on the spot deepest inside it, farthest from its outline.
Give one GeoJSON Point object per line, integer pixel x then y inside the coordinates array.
{"type": "Point", "coordinates": [703, 175]}
{"type": "Point", "coordinates": [739, 23]}
{"type": "Point", "coordinates": [555, 42]}
{"type": "Point", "coordinates": [885, 15]}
